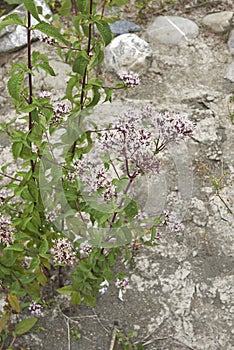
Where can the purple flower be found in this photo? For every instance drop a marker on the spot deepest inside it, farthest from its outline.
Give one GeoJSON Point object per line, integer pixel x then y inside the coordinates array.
{"type": "Point", "coordinates": [63, 252]}
{"type": "Point", "coordinates": [60, 110]}
{"type": "Point", "coordinates": [45, 94]}
{"type": "Point", "coordinates": [6, 229]}
{"type": "Point", "coordinates": [122, 285]}
{"type": "Point", "coordinates": [173, 224]}
{"type": "Point", "coordinates": [36, 309]}
{"type": "Point", "coordinates": [46, 39]}
{"type": "Point", "coordinates": [130, 79]}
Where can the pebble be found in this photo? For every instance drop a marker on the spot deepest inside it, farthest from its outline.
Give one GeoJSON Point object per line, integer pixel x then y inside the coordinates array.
{"type": "Point", "coordinates": [124, 27]}
{"type": "Point", "coordinates": [219, 22]}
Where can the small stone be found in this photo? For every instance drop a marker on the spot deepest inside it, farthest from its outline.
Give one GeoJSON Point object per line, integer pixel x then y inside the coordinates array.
{"type": "Point", "coordinates": [124, 27]}
{"type": "Point", "coordinates": [219, 22]}
{"type": "Point", "coordinates": [172, 30]}
{"type": "Point", "coordinates": [128, 52]}
{"type": "Point", "coordinates": [230, 72]}
{"type": "Point", "coordinates": [231, 42]}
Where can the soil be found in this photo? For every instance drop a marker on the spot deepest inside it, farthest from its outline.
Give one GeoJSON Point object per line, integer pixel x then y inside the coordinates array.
{"type": "Point", "coordinates": [181, 291]}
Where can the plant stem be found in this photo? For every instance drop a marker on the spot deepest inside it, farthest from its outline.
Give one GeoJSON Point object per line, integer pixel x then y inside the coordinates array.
{"type": "Point", "coordinates": [30, 121]}
{"type": "Point", "coordinates": [82, 96]}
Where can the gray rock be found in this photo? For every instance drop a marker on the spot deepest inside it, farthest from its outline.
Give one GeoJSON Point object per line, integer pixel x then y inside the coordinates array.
{"type": "Point", "coordinates": [14, 37]}
{"type": "Point", "coordinates": [124, 27]}
{"type": "Point", "coordinates": [230, 72]}
{"type": "Point", "coordinates": [231, 42]}
{"type": "Point", "coordinates": [172, 30]}
{"type": "Point", "coordinates": [219, 22]}
{"type": "Point", "coordinates": [128, 52]}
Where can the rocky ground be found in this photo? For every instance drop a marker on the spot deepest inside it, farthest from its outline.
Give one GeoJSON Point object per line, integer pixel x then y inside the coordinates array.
{"type": "Point", "coordinates": [181, 292]}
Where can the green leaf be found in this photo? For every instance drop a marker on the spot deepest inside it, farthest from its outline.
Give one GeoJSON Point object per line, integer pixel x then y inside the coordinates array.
{"type": "Point", "coordinates": [13, 2]}
{"type": "Point", "coordinates": [16, 149]}
{"type": "Point", "coordinates": [16, 247]}
{"type": "Point", "coordinates": [44, 246]}
{"type": "Point", "coordinates": [25, 325]}
{"type": "Point", "coordinates": [131, 209]}
{"type": "Point", "coordinates": [47, 29]}
{"type": "Point", "coordinates": [11, 20]}
{"type": "Point", "coordinates": [108, 93]}
{"type": "Point", "coordinates": [13, 301]}
{"type": "Point", "coordinates": [65, 8]}
{"type": "Point", "coordinates": [14, 85]}
{"type": "Point", "coordinates": [47, 68]}
{"type": "Point", "coordinates": [96, 97]}
{"type": "Point", "coordinates": [81, 62]}
{"type": "Point", "coordinates": [82, 5]}
{"type": "Point", "coordinates": [65, 290]}
{"type": "Point", "coordinates": [89, 300]}
{"type": "Point", "coordinates": [76, 298]}
{"type": "Point", "coordinates": [31, 7]}
{"type": "Point", "coordinates": [104, 30]}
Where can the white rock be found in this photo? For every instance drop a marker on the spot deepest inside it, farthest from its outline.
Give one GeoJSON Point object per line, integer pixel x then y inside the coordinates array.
{"type": "Point", "coordinates": [218, 22]}
{"type": "Point", "coordinates": [231, 42]}
{"type": "Point", "coordinates": [171, 30]}
{"type": "Point", "coordinates": [230, 72]}
{"type": "Point", "coordinates": [128, 52]}
{"type": "Point", "coordinates": [14, 37]}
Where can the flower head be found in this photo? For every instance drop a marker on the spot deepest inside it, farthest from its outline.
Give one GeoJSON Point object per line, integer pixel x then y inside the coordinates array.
{"type": "Point", "coordinates": [173, 224]}
{"type": "Point", "coordinates": [45, 94]}
{"type": "Point", "coordinates": [130, 79]}
{"type": "Point", "coordinates": [36, 309]}
{"type": "Point", "coordinates": [104, 285]}
{"type": "Point", "coordinates": [63, 252]}
{"type": "Point", "coordinates": [46, 39]}
{"type": "Point", "coordinates": [122, 285]}
{"type": "Point", "coordinates": [6, 236]}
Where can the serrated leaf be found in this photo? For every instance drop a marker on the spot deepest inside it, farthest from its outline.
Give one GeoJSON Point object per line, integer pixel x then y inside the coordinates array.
{"type": "Point", "coordinates": [47, 29]}
{"type": "Point", "coordinates": [65, 8]}
{"type": "Point", "coordinates": [14, 85]}
{"type": "Point", "coordinates": [104, 31]}
{"type": "Point", "coordinates": [31, 7]}
{"type": "Point", "coordinates": [80, 62]}
{"type": "Point", "coordinates": [25, 325]}
{"type": "Point", "coordinates": [14, 303]}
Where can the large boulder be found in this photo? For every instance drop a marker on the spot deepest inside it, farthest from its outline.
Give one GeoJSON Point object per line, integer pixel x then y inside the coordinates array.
{"type": "Point", "coordinates": [14, 37]}
{"type": "Point", "coordinates": [128, 52]}
{"type": "Point", "coordinates": [171, 30]}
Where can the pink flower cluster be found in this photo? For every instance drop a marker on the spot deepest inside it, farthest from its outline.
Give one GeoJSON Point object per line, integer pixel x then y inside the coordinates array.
{"type": "Point", "coordinates": [63, 252]}
{"type": "Point", "coordinates": [130, 79]}
{"type": "Point", "coordinates": [36, 309]}
{"type": "Point", "coordinates": [6, 236]}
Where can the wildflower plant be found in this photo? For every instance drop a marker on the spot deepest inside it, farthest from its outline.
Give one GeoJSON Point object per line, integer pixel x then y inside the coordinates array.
{"type": "Point", "coordinates": [69, 204]}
